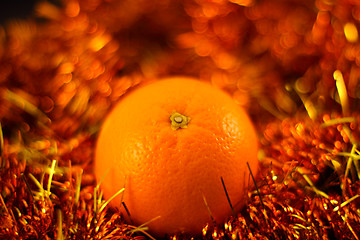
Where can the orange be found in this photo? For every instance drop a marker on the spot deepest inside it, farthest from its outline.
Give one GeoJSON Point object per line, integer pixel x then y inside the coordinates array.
{"type": "Point", "coordinates": [169, 143]}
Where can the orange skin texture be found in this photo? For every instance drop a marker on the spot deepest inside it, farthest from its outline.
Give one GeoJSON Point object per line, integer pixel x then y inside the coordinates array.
{"type": "Point", "coordinates": [167, 172]}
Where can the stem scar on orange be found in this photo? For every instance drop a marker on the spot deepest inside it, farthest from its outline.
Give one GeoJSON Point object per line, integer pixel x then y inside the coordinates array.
{"type": "Point", "coordinates": [170, 143]}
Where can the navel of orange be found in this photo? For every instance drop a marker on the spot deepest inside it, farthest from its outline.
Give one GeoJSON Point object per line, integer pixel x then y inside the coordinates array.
{"type": "Point", "coordinates": [169, 143]}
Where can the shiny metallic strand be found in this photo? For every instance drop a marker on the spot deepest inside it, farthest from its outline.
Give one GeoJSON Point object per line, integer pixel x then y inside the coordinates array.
{"type": "Point", "coordinates": [323, 206]}
{"type": "Point", "coordinates": [29, 210]}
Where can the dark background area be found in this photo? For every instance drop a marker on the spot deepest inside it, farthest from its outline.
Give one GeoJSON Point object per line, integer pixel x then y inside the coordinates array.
{"type": "Point", "coordinates": [15, 9]}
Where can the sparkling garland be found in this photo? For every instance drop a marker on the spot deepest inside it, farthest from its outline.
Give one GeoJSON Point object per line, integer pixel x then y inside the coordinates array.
{"type": "Point", "coordinates": [294, 65]}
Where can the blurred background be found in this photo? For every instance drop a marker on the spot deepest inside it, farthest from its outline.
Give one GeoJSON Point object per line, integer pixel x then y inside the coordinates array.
{"type": "Point", "coordinates": [16, 9]}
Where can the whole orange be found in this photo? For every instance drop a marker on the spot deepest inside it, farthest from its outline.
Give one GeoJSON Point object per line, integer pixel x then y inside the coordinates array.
{"type": "Point", "coordinates": [169, 143]}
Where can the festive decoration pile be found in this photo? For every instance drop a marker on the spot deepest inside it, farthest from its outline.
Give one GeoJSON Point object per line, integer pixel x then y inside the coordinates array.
{"type": "Point", "coordinates": [294, 64]}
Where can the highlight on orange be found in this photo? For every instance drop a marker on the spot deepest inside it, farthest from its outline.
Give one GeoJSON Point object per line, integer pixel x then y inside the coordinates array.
{"type": "Point", "coordinates": [170, 144]}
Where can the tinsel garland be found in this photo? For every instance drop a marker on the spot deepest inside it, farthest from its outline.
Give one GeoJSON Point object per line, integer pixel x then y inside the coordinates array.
{"type": "Point", "coordinates": [294, 64]}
